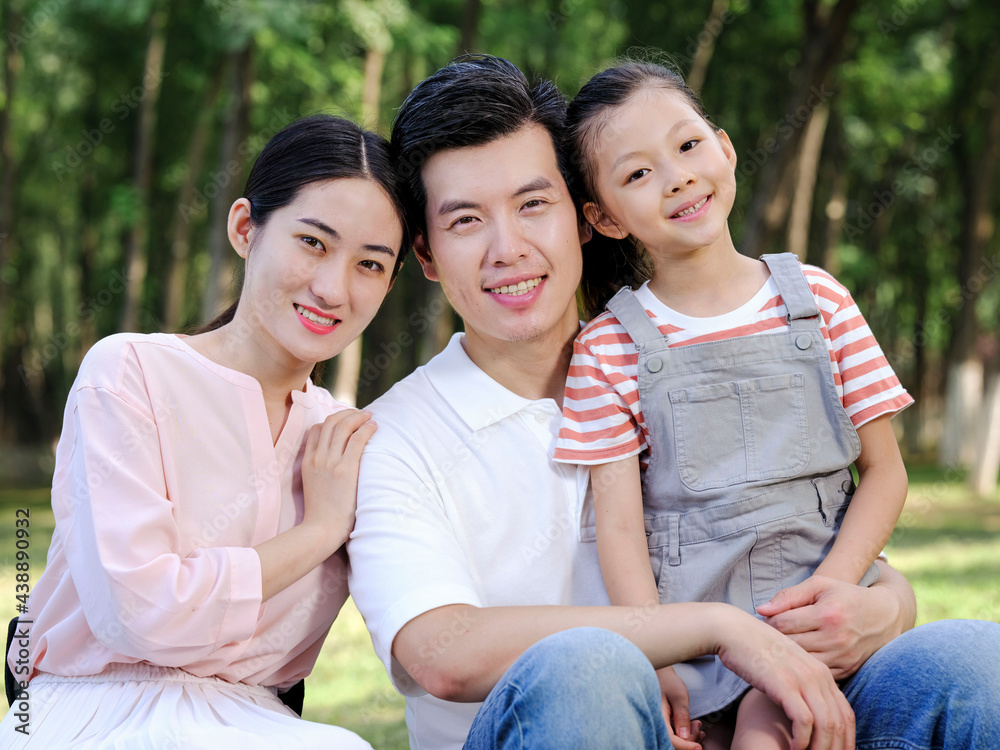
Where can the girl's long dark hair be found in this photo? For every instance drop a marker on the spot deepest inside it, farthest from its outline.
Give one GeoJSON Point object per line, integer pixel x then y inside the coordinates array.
{"type": "Point", "coordinates": [609, 264]}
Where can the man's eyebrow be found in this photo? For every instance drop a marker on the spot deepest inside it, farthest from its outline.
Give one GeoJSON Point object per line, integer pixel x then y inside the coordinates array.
{"type": "Point", "coordinates": [455, 205]}
{"type": "Point", "coordinates": [333, 233]}
{"type": "Point", "coordinates": [539, 183]}
{"type": "Point", "coordinates": [458, 204]}
{"type": "Point", "coordinates": [677, 126]}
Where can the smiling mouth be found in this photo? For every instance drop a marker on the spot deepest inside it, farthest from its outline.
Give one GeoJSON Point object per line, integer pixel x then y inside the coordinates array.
{"type": "Point", "coordinates": [318, 319]}
{"type": "Point", "coordinates": [515, 290]}
{"type": "Point", "coordinates": [690, 209]}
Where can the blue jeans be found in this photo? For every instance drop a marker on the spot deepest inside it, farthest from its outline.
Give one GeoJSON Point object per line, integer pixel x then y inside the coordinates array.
{"type": "Point", "coordinates": [936, 687]}
{"type": "Point", "coordinates": [584, 688]}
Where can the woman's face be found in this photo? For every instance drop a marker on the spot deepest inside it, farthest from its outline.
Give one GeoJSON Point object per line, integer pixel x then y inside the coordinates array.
{"type": "Point", "coordinates": [318, 270]}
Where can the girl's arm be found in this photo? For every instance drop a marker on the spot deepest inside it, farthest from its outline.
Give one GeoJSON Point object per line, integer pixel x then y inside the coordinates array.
{"type": "Point", "coordinates": [621, 534]}
{"type": "Point", "coordinates": [876, 505]}
{"type": "Point", "coordinates": [330, 489]}
{"type": "Point", "coordinates": [628, 576]}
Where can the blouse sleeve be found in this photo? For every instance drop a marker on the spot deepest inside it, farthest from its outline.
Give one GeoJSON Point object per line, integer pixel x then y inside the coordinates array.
{"type": "Point", "coordinates": [141, 596]}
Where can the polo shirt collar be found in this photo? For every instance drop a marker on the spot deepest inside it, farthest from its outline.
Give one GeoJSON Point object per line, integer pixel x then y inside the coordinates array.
{"type": "Point", "coordinates": [476, 397]}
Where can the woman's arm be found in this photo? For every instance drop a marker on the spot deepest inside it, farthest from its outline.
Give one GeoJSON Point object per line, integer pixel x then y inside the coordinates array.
{"type": "Point", "coordinates": [875, 507]}
{"type": "Point", "coordinates": [330, 489]}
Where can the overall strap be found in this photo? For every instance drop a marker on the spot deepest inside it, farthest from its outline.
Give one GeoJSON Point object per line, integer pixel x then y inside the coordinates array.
{"type": "Point", "coordinates": [793, 288]}
{"type": "Point", "coordinates": [632, 315]}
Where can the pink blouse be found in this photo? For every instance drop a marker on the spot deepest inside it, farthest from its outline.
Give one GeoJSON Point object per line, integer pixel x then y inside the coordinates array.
{"type": "Point", "coordinates": [165, 479]}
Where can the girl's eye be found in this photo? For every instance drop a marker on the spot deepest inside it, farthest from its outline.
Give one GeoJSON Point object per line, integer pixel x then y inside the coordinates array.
{"type": "Point", "coordinates": [464, 221]}
{"type": "Point", "coordinates": [312, 242]}
{"type": "Point", "coordinates": [688, 145]}
{"type": "Point", "coordinates": [637, 174]}
{"type": "Point", "coordinates": [533, 203]}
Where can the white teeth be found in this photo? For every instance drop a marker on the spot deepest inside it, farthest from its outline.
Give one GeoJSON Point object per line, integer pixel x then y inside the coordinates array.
{"type": "Point", "coordinates": [310, 315]}
{"type": "Point", "coordinates": [518, 289]}
{"type": "Point", "coordinates": [692, 209]}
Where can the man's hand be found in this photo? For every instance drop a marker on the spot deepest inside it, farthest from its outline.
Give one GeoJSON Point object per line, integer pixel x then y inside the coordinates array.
{"type": "Point", "coordinates": [839, 623]}
{"type": "Point", "coordinates": [802, 686]}
{"type": "Point", "coordinates": [684, 733]}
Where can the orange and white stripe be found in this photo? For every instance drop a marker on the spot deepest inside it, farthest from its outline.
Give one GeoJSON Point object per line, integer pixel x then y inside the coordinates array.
{"type": "Point", "coordinates": [602, 418]}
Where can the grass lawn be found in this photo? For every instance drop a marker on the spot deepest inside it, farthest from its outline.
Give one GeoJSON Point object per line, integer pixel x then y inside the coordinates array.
{"type": "Point", "coordinates": [947, 543]}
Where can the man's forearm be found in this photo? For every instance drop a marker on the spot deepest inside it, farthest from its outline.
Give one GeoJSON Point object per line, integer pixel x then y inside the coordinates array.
{"type": "Point", "coordinates": [459, 652]}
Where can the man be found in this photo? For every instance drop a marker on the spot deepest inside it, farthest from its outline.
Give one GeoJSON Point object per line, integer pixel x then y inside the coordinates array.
{"type": "Point", "coordinates": [467, 534]}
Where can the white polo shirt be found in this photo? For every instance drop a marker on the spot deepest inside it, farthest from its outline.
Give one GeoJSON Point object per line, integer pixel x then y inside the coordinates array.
{"type": "Point", "coordinates": [459, 503]}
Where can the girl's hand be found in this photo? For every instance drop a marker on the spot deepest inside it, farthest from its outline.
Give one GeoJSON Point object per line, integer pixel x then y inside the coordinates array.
{"type": "Point", "coordinates": [821, 717]}
{"type": "Point", "coordinates": [330, 469]}
{"type": "Point", "coordinates": [841, 624]}
{"type": "Point", "coordinates": [684, 733]}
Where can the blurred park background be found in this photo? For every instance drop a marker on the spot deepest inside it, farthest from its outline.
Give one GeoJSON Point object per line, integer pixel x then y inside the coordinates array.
{"type": "Point", "coordinates": [868, 137]}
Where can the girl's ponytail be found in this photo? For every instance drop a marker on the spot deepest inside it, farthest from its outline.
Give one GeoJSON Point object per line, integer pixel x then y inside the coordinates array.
{"type": "Point", "coordinates": [608, 265]}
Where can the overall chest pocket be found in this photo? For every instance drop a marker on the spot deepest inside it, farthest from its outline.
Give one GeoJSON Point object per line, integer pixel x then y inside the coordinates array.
{"type": "Point", "coordinates": [742, 431]}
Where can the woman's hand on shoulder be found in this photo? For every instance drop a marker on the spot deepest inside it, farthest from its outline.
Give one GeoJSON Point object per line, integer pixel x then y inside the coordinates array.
{"type": "Point", "coordinates": [330, 468]}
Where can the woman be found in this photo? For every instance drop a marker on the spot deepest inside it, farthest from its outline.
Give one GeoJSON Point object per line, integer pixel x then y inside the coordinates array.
{"type": "Point", "coordinates": [204, 485]}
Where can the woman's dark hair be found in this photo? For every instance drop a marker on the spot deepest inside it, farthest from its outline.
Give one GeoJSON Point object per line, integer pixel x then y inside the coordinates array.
{"type": "Point", "coordinates": [313, 149]}
{"type": "Point", "coordinates": [474, 100]}
{"type": "Point", "coordinates": [609, 264]}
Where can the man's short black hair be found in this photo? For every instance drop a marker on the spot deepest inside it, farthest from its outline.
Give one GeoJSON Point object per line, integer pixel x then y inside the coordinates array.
{"type": "Point", "coordinates": [473, 100]}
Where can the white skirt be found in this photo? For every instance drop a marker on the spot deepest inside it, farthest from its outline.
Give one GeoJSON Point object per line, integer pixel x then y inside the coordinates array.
{"type": "Point", "coordinates": [144, 707]}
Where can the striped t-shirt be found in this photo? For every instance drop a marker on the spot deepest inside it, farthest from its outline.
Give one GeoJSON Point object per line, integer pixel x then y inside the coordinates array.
{"type": "Point", "coordinates": [602, 419]}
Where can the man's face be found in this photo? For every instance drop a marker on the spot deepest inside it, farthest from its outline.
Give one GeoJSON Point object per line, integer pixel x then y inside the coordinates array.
{"type": "Point", "coordinates": [502, 236]}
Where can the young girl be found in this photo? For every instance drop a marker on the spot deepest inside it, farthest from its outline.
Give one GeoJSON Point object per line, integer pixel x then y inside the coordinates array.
{"type": "Point", "coordinates": [722, 403]}
{"type": "Point", "coordinates": [204, 486]}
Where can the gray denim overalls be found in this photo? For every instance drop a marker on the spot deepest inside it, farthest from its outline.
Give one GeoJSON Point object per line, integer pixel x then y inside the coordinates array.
{"type": "Point", "coordinates": [748, 477]}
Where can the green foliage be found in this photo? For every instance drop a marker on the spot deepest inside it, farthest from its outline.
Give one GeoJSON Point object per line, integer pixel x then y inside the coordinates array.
{"type": "Point", "coordinates": [907, 73]}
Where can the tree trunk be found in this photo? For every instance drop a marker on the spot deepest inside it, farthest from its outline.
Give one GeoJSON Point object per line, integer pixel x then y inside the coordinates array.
{"type": "Point", "coordinates": [986, 467]}
{"type": "Point", "coordinates": [180, 244]}
{"type": "Point", "coordinates": [370, 101]}
{"type": "Point", "coordinates": [345, 384]}
{"type": "Point", "coordinates": [470, 26]}
{"type": "Point", "coordinates": [710, 32]}
{"type": "Point", "coordinates": [8, 165]}
{"type": "Point", "coordinates": [224, 186]}
{"type": "Point", "coordinates": [805, 183]}
{"type": "Point", "coordinates": [821, 46]}
{"type": "Point", "coordinates": [964, 395]}
{"type": "Point", "coordinates": [142, 172]}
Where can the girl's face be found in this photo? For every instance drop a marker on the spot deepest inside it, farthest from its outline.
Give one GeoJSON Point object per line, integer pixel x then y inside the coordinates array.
{"type": "Point", "coordinates": [663, 175]}
{"type": "Point", "coordinates": [317, 270]}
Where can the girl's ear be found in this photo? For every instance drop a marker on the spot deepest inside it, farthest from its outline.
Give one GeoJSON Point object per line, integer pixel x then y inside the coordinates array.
{"type": "Point", "coordinates": [727, 147]}
{"type": "Point", "coordinates": [423, 253]}
{"type": "Point", "coordinates": [239, 227]}
{"type": "Point", "coordinates": [602, 222]}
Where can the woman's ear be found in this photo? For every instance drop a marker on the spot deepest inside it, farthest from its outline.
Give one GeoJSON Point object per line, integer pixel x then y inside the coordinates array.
{"type": "Point", "coordinates": [727, 147]}
{"type": "Point", "coordinates": [423, 253]}
{"type": "Point", "coordinates": [602, 222]}
{"type": "Point", "coordinates": [239, 227]}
